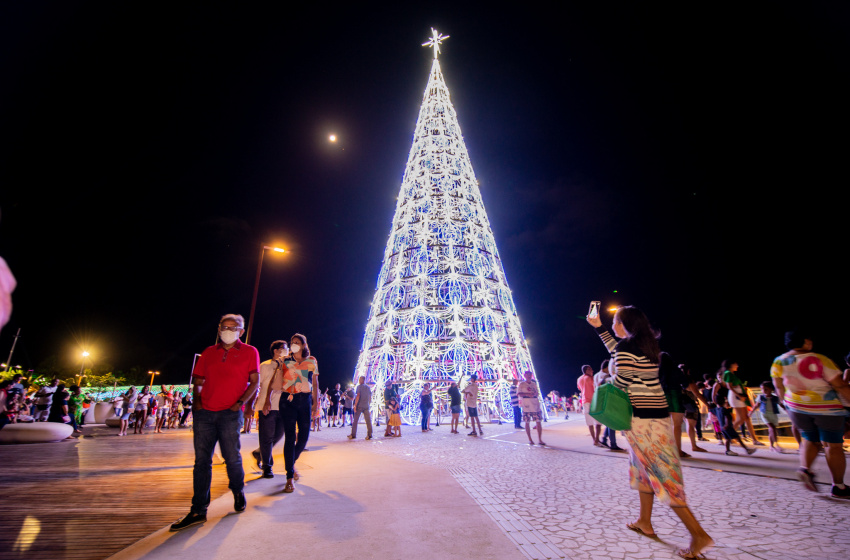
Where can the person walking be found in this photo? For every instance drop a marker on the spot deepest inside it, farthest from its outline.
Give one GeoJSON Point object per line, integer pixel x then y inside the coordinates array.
{"type": "Point", "coordinates": [655, 467]}
{"type": "Point", "coordinates": [470, 393]}
{"type": "Point", "coordinates": [225, 376]}
{"type": "Point", "coordinates": [426, 404]}
{"type": "Point", "coordinates": [738, 398]}
{"type": "Point", "coordinates": [270, 421]}
{"type": "Point", "coordinates": [333, 410]}
{"type": "Point", "coordinates": [163, 408]}
{"type": "Point", "coordinates": [43, 399]}
{"type": "Point", "coordinates": [301, 388]}
{"type": "Point", "coordinates": [454, 404]}
{"type": "Point", "coordinates": [768, 404]}
{"type": "Point", "coordinates": [609, 436]}
{"type": "Point", "coordinates": [587, 388]}
{"type": "Point", "coordinates": [362, 399]}
{"type": "Point", "coordinates": [810, 384]}
{"type": "Point", "coordinates": [515, 405]}
{"type": "Point", "coordinates": [347, 404]}
{"type": "Point", "coordinates": [142, 403]}
{"type": "Point", "coordinates": [128, 407]}
{"type": "Point", "coordinates": [529, 393]}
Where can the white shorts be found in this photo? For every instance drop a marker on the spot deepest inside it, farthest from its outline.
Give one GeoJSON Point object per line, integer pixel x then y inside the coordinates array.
{"type": "Point", "coordinates": [734, 401]}
{"type": "Point", "coordinates": [588, 419]}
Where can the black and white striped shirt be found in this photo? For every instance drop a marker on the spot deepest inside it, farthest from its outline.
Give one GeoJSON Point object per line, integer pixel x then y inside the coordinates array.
{"type": "Point", "coordinates": [636, 375]}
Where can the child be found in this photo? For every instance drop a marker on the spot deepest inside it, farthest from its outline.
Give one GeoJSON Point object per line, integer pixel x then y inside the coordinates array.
{"type": "Point", "coordinates": [769, 404]}
{"type": "Point", "coordinates": [724, 414]}
{"type": "Point", "coordinates": [395, 418]}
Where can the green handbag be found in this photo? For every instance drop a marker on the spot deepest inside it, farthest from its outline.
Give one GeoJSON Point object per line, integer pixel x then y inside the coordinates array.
{"type": "Point", "coordinates": [611, 407]}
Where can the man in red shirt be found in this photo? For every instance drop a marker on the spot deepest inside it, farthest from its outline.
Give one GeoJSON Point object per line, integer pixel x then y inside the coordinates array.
{"type": "Point", "coordinates": [587, 388]}
{"type": "Point", "coordinates": [226, 375]}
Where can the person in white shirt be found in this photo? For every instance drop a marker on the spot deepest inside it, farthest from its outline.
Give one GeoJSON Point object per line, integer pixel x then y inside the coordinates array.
{"type": "Point", "coordinates": [43, 399]}
{"type": "Point", "coordinates": [270, 421]}
{"type": "Point", "coordinates": [529, 392]}
{"type": "Point", "coordinates": [163, 407]}
{"type": "Point", "coordinates": [470, 393]}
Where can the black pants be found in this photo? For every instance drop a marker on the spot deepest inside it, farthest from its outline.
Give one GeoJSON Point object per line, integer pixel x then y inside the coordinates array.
{"type": "Point", "coordinates": [295, 413]}
{"type": "Point", "coordinates": [270, 431]}
{"type": "Point", "coordinates": [517, 417]}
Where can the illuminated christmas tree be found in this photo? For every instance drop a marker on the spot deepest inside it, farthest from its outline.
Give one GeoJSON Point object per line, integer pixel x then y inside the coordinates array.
{"type": "Point", "coordinates": [442, 309]}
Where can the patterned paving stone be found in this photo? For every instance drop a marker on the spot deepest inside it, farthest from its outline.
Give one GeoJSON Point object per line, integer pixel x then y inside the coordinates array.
{"type": "Point", "coordinates": [579, 503]}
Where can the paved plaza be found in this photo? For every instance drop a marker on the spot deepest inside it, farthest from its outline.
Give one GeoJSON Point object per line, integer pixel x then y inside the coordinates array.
{"type": "Point", "coordinates": [454, 496]}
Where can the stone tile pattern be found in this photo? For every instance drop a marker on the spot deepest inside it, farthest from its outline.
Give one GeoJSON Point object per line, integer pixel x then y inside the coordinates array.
{"type": "Point", "coordinates": [580, 503]}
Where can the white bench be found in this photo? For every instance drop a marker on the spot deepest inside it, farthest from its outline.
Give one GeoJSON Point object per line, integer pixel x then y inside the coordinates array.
{"type": "Point", "coordinates": [37, 432]}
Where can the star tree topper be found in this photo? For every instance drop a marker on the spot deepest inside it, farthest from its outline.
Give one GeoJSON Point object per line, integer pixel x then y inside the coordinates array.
{"type": "Point", "coordinates": [434, 41]}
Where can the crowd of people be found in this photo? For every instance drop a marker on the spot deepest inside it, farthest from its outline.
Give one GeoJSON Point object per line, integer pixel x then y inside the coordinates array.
{"type": "Point", "coordinates": [53, 402]}
{"type": "Point", "coordinates": [230, 383]}
{"type": "Point", "coordinates": [808, 386]}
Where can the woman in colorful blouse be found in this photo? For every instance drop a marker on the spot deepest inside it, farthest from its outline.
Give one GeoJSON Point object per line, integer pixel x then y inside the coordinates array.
{"type": "Point", "coordinates": [298, 402]}
{"type": "Point", "coordinates": [654, 467]}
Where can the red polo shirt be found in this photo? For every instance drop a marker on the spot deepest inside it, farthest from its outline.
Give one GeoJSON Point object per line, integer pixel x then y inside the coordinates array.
{"type": "Point", "coordinates": [226, 374]}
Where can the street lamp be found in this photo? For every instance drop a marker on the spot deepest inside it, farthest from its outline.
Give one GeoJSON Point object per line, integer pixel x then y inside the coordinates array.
{"type": "Point", "coordinates": [152, 374]}
{"type": "Point", "coordinates": [263, 248]}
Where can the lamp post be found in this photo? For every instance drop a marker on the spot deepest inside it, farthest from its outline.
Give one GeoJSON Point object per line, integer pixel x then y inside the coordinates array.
{"type": "Point", "coordinates": [152, 374]}
{"type": "Point", "coordinates": [82, 365]}
{"type": "Point", "coordinates": [263, 248]}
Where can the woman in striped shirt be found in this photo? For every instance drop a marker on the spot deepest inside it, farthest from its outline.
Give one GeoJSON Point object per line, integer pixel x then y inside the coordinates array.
{"type": "Point", "coordinates": [654, 466]}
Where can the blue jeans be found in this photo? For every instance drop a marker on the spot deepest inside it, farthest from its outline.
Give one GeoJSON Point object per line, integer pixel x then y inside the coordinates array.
{"type": "Point", "coordinates": [211, 427]}
{"type": "Point", "coordinates": [610, 434]}
{"type": "Point", "coordinates": [517, 417]}
{"type": "Point", "coordinates": [426, 413]}
{"type": "Point", "coordinates": [296, 413]}
{"type": "Point", "coordinates": [270, 431]}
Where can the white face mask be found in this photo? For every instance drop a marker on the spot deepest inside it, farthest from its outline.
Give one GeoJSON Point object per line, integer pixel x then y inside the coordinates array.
{"type": "Point", "coordinates": [228, 337]}
{"type": "Point", "coordinates": [295, 348]}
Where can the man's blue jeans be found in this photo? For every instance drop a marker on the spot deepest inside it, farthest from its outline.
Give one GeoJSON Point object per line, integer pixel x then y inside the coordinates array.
{"type": "Point", "coordinates": [211, 427]}
{"type": "Point", "coordinates": [517, 417]}
{"type": "Point", "coordinates": [270, 431]}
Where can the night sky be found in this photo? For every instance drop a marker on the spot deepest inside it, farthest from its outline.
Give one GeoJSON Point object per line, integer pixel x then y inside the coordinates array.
{"type": "Point", "coordinates": [688, 160]}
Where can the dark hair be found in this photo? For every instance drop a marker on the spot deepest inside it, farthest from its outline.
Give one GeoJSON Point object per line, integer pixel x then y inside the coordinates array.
{"type": "Point", "coordinates": [847, 359]}
{"type": "Point", "coordinates": [640, 331]}
{"type": "Point", "coordinates": [586, 367]}
{"type": "Point", "coordinates": [277, 345]}
{"type": "Point", "coordinates": [726, 365]}
{"type": "Point", "coordinates": [766, 384]}
{"type": "Point", "coordinates": [17, 376]}
{"type": "Point", "coordinates": [707, 376]}
{"type": "Point", "coordinates": [305, 352]}
{"type": "Point", "coordinates": [73, 388]}
{"type": "Point", "coordinates": [604, 365]}
{"type": "Point", "coordinates": [796, 339]}
{"type": "Point", "coordinates": [5, 383]}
